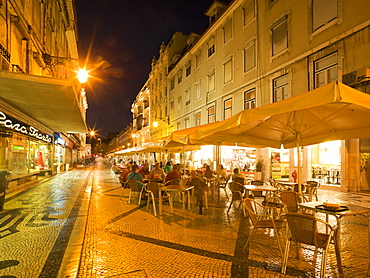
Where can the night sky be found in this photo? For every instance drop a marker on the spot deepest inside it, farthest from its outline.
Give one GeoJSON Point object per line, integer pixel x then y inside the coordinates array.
{"type": "Point", "coordinates": [118, 39]}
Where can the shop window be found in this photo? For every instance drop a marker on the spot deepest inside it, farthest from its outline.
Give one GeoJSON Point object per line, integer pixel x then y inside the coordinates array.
{"type": "Point", "coordinates": [4, 151]}
{"type": "Point", "coordinates": [19, 154]}
{"type": "Point", "coordinates": [281, 88]}
{"type": "Point", "coordinates": [326, 70]}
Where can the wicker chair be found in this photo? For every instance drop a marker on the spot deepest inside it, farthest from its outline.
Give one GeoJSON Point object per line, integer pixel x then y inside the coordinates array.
{"type": "Point", "coordinates": [262, 220]}
{"type": "Point", "coordinates": [223, 184]}
{"type": "Point", "coordinates": [312, 186]}
{"type": "Point", "coordinates": [290, 200]}
{"type": "Point", "coordinates": [304, 229]}
{"type": "Point", "coordinates": [152, 188]}
{"type": "Point", "coordinates": [237, 192]}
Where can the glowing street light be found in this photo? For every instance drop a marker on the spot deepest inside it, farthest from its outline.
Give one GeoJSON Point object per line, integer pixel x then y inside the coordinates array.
{"type": "Point", "coordinates": [82, 76]}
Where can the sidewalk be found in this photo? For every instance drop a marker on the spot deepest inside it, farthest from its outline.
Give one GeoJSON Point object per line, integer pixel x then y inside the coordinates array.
{"type": "Point", "coordinates": [124, 240]}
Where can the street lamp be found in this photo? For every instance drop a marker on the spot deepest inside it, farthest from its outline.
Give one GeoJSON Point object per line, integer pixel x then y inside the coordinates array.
{"type": "Point", "coordinates": [82, 76]}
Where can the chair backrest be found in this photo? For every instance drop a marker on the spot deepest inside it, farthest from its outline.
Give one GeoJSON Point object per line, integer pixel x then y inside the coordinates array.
{"type": "Point", "coordinates": [237, 190]}
{"type": "Point", "coordinates": [239, 180]}
{"type": "Point", "coordinates": [303, 228]}
{"type": "Point", "coordinates": [175, 181]}
{"type": "Point", "coordinates": [257, 183]}
{"type": "Point", "coordinates": [313, 184]}
{"type": "Point", "coordinates": [133, 185]}
{"type": "Point", "coordinates": [248, 203]}
{"type": "Point", "coordinates": [154, 188]}
{"type": "Point", "coordinates": [290, 199]}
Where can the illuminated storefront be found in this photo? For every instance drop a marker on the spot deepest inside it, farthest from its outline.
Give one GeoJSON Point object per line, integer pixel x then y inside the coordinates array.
{"type": "Point", "coordinates": [23, 148]}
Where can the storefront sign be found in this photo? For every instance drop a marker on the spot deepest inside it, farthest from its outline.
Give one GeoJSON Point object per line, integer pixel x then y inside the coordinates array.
{"type": "Point", "coordinates": [18, 126]}
{"type": "Point", "coordinates": [19, 148]}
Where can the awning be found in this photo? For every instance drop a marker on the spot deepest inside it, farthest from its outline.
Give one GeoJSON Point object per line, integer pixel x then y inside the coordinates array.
{"type": "Point", "coordinates": [50, 101]}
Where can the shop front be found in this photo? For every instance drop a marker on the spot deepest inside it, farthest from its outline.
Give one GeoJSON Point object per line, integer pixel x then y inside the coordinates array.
{"type": "Point", "coordinates": [24, 149]}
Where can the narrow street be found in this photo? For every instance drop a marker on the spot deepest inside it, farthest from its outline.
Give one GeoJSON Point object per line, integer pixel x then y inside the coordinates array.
{"type": "Point", "coordinates": [76, 224]}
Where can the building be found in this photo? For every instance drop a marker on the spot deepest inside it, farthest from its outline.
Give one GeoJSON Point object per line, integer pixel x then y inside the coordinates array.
{"type": "Point", "coordinates": [42, 105]}
{"type": "Point", "coordinates": [259, 52]}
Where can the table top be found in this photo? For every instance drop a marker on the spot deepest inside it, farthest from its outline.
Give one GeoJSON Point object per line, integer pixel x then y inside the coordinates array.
{"type": "Point", "coordinates": [175, 187]}
{"type": "Point", "coordinates": [352, 209]}
{"type": "Point", "coordinates": [288, 182]}
{"type": "Point", "coordinates": [259, 187]}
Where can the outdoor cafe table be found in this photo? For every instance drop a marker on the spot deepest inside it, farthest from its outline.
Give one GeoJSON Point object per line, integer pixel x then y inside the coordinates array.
{"type": "Point", "coordinates": [352, 210]}
{"type": "Point", "coordinates": [267, 188]}
{"type": "Point", "coordinates": [170, 189]}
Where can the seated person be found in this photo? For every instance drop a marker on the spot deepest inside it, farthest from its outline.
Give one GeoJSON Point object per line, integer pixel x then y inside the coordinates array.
{"type": "Point", "coordinates": [222, 173]}
{"type": "Point", "coordinates": [208, 173]}
{"type": "Point", "coordinates": [199, 188]}
{"type": "Point", "coordinates": [168, 167]}
{"type": "Point", "coordinates": [174, 174]}
{"type": "Point", "coordinates": [144, 171]}
{"type": "Point", "coordinates": [134, 175]}
{"type": "Point", "coordinates": [157, 172]}
{"type": "Point", "coordinates": [237, 176]}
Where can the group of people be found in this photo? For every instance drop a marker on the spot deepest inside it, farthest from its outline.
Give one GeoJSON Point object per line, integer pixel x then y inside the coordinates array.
{"type": "Point", "coordinates": [172, 172]}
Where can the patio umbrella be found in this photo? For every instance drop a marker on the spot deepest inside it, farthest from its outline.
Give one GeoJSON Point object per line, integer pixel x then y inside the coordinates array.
{"type": "Point", "coordinates": [332, 112]}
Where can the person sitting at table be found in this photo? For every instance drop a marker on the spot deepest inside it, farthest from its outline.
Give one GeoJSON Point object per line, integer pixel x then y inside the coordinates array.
{"type": "Point", "coordinates": [157, 172]}
{"type": "Point", "coordinates": [144, 170]}
{"type": "Point", "coordinates": [168, 167]}
{"type": "Point", "coordinates": [174, 174]}
{"type": "Point", "coordinates": [199, 187]}
{"type": "Point", "coordinates": [208, 173]}
{"type": "Point", "coordinates": [134, 175]}
{"type": "Point", "coordinates": [222, 173]}
{"type": "Point", "coordinates": [237, 176]}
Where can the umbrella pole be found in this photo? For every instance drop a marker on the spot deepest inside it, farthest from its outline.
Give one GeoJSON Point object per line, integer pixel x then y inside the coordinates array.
{"type": "Point", "coordinates": [299, 172]}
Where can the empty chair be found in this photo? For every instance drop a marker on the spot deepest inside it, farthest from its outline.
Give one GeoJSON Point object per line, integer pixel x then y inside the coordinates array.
{"type": "Point", "coordinates": [290, 200]}
{"type": "Point", "coordinates": [223, 184]}
{"type": "Point", "coordinates": [237, 191]}
{"type": "Point", "coordinates": [135, 188]}
{"type": "Point", "coordinates": [311, 189]}
{"type": "Point", "coordinates": [152, 188]}
{"type": "Point", "coordinates": [304, 229]}
{"type": "Point", "coordinates": [263, 220]}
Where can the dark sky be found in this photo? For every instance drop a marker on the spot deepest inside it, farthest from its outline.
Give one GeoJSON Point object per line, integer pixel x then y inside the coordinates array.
{"type": "Point", "coordinates": [118, 39]}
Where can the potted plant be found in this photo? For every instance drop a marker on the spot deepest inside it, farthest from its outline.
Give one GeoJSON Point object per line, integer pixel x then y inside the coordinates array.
{"type": "Point", "coordinates": [258, 173]}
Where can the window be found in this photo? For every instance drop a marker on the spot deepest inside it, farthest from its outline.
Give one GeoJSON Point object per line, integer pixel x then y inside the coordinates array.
{"type": "Point", "coordinates": [179, 76]}
{"type": "Point", "coordinates": [188, 69]}
{"type": "Point", "coordinates": [171, 107]}
{"type": "Point", "coordinates": [198, 59]}
{"type": "Point", "coordinates": [211, 46]}
{"type": "Point", "coordinates": [197, 119]}
{"type": "Point", "coordinates": [323, 11]}
{"type": "Point", "coordinates": [211, 114]}
{"type": "Point", "coordinates": [250, 99]}
{"type": "Point", "coordinates": [281, 88]}
{"type": "Point", "coordinates": [187, 97]}
{"type": "Point", "coordinates": [187, 121]}
{"type": "Point", "coordinates": [326, 70]}
{"type": "Point", "coordinates": [179, 102]}
{"type": "Point", "coordinates": [211, 81]}
{"type": "Point", "coordinates": [228, 105]}
{"type": "Point", "coordinates": [172, 83]}
{"type": "Point", "coordinates": [197, 90]}
{"type": "Point", "coordinates": [280, 36]}
{"type": "Point", "coordinates": [228, 71]}
{"type": "Point", "coordinates": [249, 53]}
{"type": "Point", "coordinates": [248, 12]}
{"type": "Point", "coordinates": [227, 31]}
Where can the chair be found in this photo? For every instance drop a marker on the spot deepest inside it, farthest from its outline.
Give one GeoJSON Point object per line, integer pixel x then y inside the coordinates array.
{"type": "Point", "coordinates": [134, 188]}
{"type": "Point", "coordinates": [290, 200]}
{"type": "Point", "coordinates": [312, 186]}
{"type": "Point", "coordinates": [304, 229]}
{"type": "Point", "coordinates": [263, 220]}
{"type": "Point", "coordinates": [152, 188]}
{"type": "Point", "coordinates": [223, 184]}
{"type": "Point", "coordinates": [237, 191]}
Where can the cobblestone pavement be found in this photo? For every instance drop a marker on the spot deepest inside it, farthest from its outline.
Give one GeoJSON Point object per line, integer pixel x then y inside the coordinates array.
{"type": "Point", "coordinates": [42, 233]}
